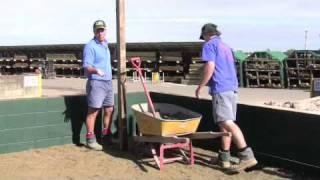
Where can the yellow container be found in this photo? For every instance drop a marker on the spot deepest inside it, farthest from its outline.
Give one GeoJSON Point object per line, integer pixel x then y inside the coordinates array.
{"type": "Point", "coordinates": [174, 120]}
{"type": "Point", "coordinates": [155, 77]}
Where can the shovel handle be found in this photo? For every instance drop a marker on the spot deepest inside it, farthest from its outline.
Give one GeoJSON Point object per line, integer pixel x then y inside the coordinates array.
{"type": "Point", "coordinates": [136, 62]}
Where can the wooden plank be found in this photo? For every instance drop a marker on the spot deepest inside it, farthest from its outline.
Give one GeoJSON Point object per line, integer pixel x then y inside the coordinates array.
{"type": "Point", "coordinates": [207, 135]}
{"type": "Point", "coordinates": [170, 160]}
{"type": "Point", "coordinates": [121, 54]}
{"type": "Point", "coordinates": [155, 156]}
{"type": "Point", "coordinates": [160, 139]}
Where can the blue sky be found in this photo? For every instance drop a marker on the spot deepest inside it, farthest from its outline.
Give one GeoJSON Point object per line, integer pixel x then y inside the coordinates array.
{"type": "Point", "coordinates": [245, 25]}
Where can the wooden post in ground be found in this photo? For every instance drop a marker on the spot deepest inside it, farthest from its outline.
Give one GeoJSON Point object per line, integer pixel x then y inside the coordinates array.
{"type": "Point", "coordinates": [121, 56]}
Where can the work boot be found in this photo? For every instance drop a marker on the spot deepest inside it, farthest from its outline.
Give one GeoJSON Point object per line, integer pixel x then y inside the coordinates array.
{"type": "Point", "coordinates": [92, 142]}
{"type": "Point", "coordinates": [106, 136]}
{"type": "Point", "coordinates": [223, 159]}
{"type": "Point", "coordinates": [106, 132]}
{"type": "Point", "coordinates": [247, 160]}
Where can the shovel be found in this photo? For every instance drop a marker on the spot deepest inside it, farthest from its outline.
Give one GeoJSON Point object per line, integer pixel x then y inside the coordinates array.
{"type": "Point", "coordinates": [136, 63]}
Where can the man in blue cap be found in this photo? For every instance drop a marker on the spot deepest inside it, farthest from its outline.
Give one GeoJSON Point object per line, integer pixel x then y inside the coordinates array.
{"type": "Point", "coordinates": [97, 66]}
{"type": "Point", "coordinates": [221, 77]}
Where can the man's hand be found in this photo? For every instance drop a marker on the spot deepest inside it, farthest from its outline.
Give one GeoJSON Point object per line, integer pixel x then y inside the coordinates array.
{"type": "Point", "coordinates": [100, 72]}
{"type": "Point", "coordinates": [198, 91]}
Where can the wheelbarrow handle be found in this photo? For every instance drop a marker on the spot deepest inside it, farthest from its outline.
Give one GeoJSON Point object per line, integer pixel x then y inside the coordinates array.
{"type": "Point", "coordinates": [136, 62]}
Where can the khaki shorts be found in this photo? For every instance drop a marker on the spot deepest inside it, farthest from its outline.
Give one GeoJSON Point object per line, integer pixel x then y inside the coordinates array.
{"type": "Point", "coordinates": [99, 94]}
{"type": "Point", "coordinates": [224, 106]}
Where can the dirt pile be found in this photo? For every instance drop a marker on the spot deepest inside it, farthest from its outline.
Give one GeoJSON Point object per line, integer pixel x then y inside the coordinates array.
{"type": "Point", "coordinates": [310, 104]}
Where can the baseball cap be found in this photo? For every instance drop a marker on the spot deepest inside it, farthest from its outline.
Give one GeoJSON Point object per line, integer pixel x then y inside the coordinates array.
{"type": "Point", "coordinates": [209, 28]}
{"type": "Point", "coordinates": [99, 24]}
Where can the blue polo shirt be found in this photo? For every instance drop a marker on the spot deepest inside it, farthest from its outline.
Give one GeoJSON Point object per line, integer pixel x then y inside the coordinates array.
{"type": "Point", "coordinates": [225, 76]}
{"type": "Point", "coordinates": [96, 54]}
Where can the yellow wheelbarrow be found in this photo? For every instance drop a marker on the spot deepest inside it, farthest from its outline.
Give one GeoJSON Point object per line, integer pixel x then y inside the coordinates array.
{"type": "Point", "coordinates": [174, 128]}
{"type": "Point", "coordinates": [171, 126]}
{"type": "Point", "coordinates": [173, 121]}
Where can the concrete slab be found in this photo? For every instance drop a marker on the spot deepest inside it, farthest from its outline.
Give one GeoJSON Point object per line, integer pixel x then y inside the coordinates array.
{"type": "Point", "coordinates": [251, 96]}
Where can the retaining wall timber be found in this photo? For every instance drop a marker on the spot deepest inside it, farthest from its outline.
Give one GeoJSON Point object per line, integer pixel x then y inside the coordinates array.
{"type": "Point", "coordinates": [43, 122]}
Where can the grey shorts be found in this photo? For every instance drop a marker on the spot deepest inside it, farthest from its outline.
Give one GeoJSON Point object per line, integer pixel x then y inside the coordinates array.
{"type": "Point", "coordinates": [99, 93]}
{"type": "Point", "coordinates": [224, 106]}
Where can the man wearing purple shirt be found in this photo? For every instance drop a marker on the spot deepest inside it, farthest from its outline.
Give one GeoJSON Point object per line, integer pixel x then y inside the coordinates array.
{"type": "Point", "coordinates": [220, 75]}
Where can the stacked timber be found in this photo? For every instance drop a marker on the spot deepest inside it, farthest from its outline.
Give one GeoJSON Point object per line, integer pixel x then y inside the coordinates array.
{"type": "Point", "coordinates": [20, 64]}
{"type": "Point", "coordinates": [301, 67]}
{"type": "Point", "coordinates": [148, 62]}
{"type": "Point", "coordinates": [264, 69]}
{"type": "Point", "coordinates": [171, 65]}
{"type": "Point", "coordinates": [6, 64]}
{"type": "Point", "coordinates": [63, 65]}
{"type": "Point", "coordinates": [194, 75]}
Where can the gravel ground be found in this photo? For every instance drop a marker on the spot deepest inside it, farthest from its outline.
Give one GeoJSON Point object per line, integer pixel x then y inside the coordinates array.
{"type": "Point", "coordinates": [74, 162]}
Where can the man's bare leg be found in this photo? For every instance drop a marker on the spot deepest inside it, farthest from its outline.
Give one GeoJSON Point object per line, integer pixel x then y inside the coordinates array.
{"type": "Point", "coordinates": [108, 111]}
{"type": "Point", "coordinates": [245, 153]}
{"type": "Point", "coordinates": [90, 122]}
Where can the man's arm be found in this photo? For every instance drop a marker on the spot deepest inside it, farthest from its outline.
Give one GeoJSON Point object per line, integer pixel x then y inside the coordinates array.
{"type": "Point", "coordinates": [88, 58]}
{"type": "Point", "coordinates": [93, 70]}
{"type": "Point", "coordinates": [207, 74]}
